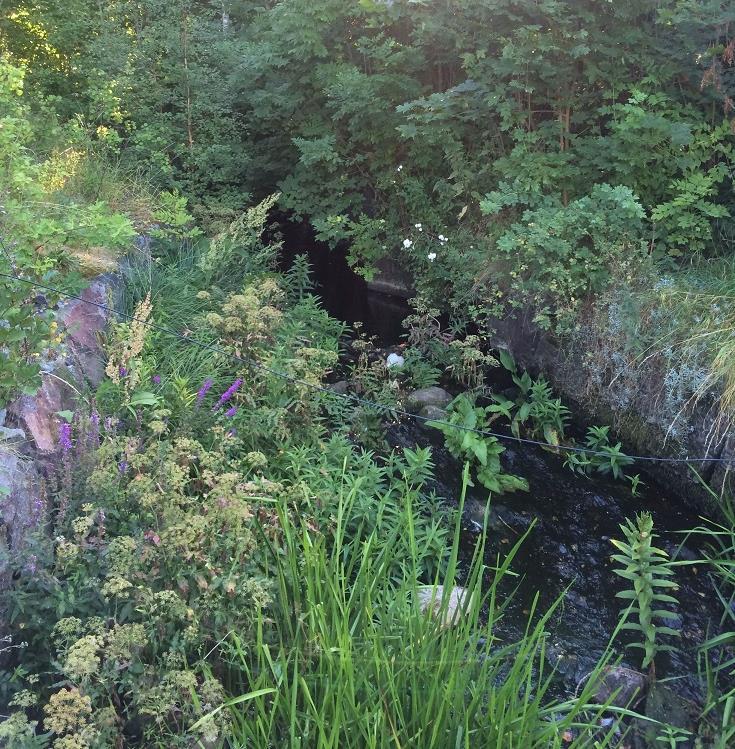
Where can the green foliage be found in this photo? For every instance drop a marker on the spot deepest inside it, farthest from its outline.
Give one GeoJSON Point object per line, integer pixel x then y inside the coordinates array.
{"type": "Point", "coordinates": [649, 571]}
{"type": "Point", "coordinates": [40, 233]}
{"type": "Point", "coordinates": [535, 407]}
{"type": "Point", "coordinates": [603, 457]}
{"type": "Point", "coordinates": [480, 451]}
{"type": "Point", "coordinates": [356, 661]}
{"type": "Point", "coordinates": [544, 417]}
{"type": "Point", "coordinates": [559, 253]}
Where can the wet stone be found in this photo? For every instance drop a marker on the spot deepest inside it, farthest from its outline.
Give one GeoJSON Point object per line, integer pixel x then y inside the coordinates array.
{"type": "Point", "coordinates": [431, 396]}
{"type": "Point", "coordinates": [339, 388]}
{"type": "Point", "coordinates": [433, 412]}
{"type": "Point", "coordinates": [629, 685]}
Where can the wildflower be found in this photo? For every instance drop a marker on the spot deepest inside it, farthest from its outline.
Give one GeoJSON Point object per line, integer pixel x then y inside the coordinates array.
{"type": "Point", "coordinates": [116, 587]}
{"type": "Point", "coordinates": [122, 371]}
{"type": "Point", "coordinates": [37, 508]}
{"type": "Point", "coordinates": [65, 436]}
{"type": "Point", "coordinates": [93, 435]}
{"type": "Point", "coordinates": [67, 711]}
{"type": "Point", "coordinates": [228, 393]}
{"type": "Point", "coordinates": [82, 660]}
{"type": "Point", "coordinates": [156, 379]}
{"type": "Point", "coordinates": [400, 168]}
{"type": "Point", "coordinates": [31, 565]}
{"type": "Point", "coordinates": [418, 226]}
{"type": "Point", "coordinates": [231, 412]}
{"type": "Point", "coordinates": [431, 257]}
{"type": "Point", "coordinates": [122, 466]}
{"type": "Point", "coordinates": [407, 243]}
{"type": "Point", "coordinates": [203, 390]}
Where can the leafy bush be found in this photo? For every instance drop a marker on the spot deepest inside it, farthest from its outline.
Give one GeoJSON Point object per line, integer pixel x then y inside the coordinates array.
{"type": "Point", "coordinates": [480, 451]}
{"type": "Point", "coordinates": [43, 236]}
{"type": "Point", "coordinates": [560, 253]}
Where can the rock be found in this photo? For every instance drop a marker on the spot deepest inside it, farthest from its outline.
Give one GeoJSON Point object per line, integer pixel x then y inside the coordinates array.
{"type": "Point", "coordinates": [432, 412]}
{"type": "Point", "coordinates": [37, 414]}
{"type": "Point", "coordinates": [669, 708]}
{"type": "Point", "coordinates": [9, 436]}
{"type": "Point", "coordinates": [339, 388]}
{"type": "Point", "coordinates": [431, 396]}
{"type": "Point", "coordinates": [84, 322]}
{"type": "Point", "coordinates": [394, 360]}
{"type": "Point", "coordinates": [431, 599]}
{"type": "Point", "coordinates": [21, 505]}
{"type": "Point", "coordinates": [630, 686]}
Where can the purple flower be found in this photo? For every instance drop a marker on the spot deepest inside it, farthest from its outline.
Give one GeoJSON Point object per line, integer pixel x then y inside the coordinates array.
{"type": "Point", "coordinates": [122, 466]}
{"type": "Point", "coordinates": [228, 394]}
{"type": "Point", "coordinates": [65, 436]}
{"type": "Point", "coordinates": [156, 379]}
{"type": "Point", "coordinates": [31, 565]}
{"type": "Point", "coordinates": [231, 412]}
{"type": "Point", "coordinates": [232, 432]}
{"type": "Point", "coordinates": [37, 508]}
{"type": "Point", "coordinates": [122, 371]}
{"type": "Point", "coordinates": [93, 435]}
{"type": "Point", "coordinates": [203, 390]}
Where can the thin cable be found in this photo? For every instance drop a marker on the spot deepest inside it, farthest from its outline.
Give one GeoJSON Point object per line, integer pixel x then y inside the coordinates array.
{"type": "Point", "coordinates": [348, 396]}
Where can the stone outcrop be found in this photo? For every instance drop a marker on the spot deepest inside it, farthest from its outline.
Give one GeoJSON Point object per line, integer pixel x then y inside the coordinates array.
{"type": "Point", "coordinates": [29, 428]}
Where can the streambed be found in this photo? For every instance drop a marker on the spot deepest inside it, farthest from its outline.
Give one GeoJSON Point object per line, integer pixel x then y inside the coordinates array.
{"type": "Point", "coordinates": [570, 521]}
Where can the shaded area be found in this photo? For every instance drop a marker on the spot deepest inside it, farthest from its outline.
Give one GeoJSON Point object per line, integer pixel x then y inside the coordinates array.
{"type": "Point", "coordinates": [571, 520]}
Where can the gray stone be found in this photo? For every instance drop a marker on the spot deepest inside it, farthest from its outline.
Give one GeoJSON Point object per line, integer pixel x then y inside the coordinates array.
{"type": "Point", "coordinates": [629, 685]}
{"type": "Point", "coordinates": [10, 436]}
{"type": "Point", "coordinates": [21, 507]}
{"type": "Point", "coordinates": [340, 388]}
{"type": "Point", "coordinates": [432, 412]}
{"type": "Point", "coordinates": [455, 601]}
{"type": "Point", "coordinates": [670, 709]}
{"type": "Point", "coordinates": [431, 396]}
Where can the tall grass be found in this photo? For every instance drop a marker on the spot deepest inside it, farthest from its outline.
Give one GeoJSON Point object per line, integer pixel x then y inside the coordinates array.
{"type": "Point", "coordinates": [717, 659]}
{"type": "Point", "coordinates": [694, 317]}
{"type": "Point", "coordinates": [356, 663]}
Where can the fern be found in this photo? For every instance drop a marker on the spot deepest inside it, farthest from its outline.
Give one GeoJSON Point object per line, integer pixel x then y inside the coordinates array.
{"type": "Point", "coordinates": [649, 571]}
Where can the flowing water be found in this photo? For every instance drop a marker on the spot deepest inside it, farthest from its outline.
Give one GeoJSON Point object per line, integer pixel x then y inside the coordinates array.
{"type": "Point", "coordinates": [570, 522]}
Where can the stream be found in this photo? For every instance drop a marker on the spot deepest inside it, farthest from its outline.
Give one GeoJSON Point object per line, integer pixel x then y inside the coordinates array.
{"type": "Point", "coordinates": [573, 518]}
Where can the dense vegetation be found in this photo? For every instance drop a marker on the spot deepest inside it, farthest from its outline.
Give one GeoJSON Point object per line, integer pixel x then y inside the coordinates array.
{"type": "Point", "coordinates": [227, 557]}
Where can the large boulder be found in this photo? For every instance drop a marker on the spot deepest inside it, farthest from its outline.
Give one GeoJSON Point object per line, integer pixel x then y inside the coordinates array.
{"type": "Point", "coordinates": [431, 396]}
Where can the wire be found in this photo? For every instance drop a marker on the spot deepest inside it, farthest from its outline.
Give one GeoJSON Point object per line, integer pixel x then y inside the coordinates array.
{"type": "Point", "coordinates": [348, 396]}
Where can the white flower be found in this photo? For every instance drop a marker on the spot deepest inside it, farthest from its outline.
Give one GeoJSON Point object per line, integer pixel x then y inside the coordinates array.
{"type": "Point", "coordinates": [418, 226]}
{"type": "Point", "coordinates": [400, 166]}
{"type": "Point", "coordinates": [442, 238]}
{"type": "Point", "coordinates": [407, 243]}
{"type": "Point", "coordinates": [431, 257]}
